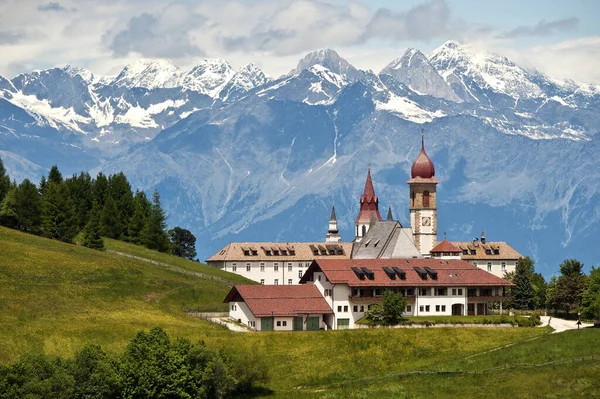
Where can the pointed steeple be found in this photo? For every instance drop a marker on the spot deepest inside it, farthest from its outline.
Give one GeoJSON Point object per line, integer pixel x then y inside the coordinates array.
{"type": "Point", "coordinates": [333, 232]}
{"type": "Point", "coordinates": [369, 191]}
{"type": "Point", "coordinates": [389, 215]}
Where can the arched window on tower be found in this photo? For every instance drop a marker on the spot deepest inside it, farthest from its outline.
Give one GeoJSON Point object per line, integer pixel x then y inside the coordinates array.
{"type": "Point", "coordinates": [364, 230]}
{"type": "Point", "coordinates": [412, 198]}
{"type": "Point", "coordinates": [425, 199]}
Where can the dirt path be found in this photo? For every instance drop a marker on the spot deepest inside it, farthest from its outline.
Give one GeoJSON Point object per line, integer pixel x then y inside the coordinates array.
{"type": "Point", "coordinates": [561, 325]}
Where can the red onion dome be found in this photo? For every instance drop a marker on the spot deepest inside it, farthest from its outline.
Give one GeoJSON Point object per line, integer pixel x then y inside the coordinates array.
{"type": "Point", "coordinates": [422, 167]}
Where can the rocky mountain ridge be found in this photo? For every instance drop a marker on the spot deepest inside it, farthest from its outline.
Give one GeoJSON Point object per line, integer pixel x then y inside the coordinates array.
{"type": "Point", "coordinates": [238, 155]}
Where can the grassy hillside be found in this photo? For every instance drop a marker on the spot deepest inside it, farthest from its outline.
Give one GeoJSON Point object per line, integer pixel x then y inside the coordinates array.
{"type": "Point", "coordinates": [55, 297]}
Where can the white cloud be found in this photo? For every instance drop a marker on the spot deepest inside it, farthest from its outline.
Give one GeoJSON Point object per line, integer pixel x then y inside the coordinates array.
{"type": "Point", "coordinates": [104, 36]}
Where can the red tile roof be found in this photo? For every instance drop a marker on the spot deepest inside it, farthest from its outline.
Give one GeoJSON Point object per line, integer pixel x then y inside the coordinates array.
{"type": "Point", "coordinates": [446, 246]}
{"type": "Point", "coordinates": [280, 300]}
{"type": "Point", "coordinates": [450, 273]}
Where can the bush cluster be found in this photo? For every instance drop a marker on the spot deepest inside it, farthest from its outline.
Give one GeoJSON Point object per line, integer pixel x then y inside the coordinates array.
{"type": "Point", "coordinates": [152, 366]}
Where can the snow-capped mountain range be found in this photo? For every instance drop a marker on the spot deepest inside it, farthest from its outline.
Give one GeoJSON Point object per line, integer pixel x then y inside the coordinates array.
{"type": "Point", "coordinates": [238, 155]}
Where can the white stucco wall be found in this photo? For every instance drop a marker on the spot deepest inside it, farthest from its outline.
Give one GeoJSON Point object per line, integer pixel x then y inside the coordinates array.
{"type": "Point", "coordinates": [268, 274]}
{"type": "Point", "coordinates": [511, 266]}
{"type": "Point", "coordinates": [240, 311]}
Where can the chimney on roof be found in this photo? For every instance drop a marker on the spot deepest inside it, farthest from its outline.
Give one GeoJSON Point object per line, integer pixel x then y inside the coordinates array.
{"type": "Point", "coordinates": [475, 242]}
{"type": "Point", "coordinates": [483, 236]}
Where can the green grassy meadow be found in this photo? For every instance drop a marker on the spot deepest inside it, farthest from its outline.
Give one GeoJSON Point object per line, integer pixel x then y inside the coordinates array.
{"type": "Point", "coordinates": [55, 298]}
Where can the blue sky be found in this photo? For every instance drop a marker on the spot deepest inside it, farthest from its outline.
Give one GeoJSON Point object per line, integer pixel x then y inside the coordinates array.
{"type": "Point", "coordinates": [560, 38]}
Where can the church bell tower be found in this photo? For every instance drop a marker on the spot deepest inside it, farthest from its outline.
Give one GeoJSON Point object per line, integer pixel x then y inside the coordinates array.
{"type": "Point", "coordinates": [369, 209]}
{"type": "Point", "coordinates": [423, 208]}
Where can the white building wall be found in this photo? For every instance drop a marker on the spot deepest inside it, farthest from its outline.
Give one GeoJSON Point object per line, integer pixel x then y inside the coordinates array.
{"type": "Point", "coordinates": [241, 312]}
{"type": "Point", "coordinates": [269, 273]}
{"type": "Point", "coordinates": [498, 267]}
{"type": "Point", "coordinates": [431, 300]}
{"type": "Point", "coordinates": [285, 323]}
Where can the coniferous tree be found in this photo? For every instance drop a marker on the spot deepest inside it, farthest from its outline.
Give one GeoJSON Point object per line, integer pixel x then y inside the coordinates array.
{"type": "Point", "coordinates": [8, 210]}
{"type": "Point", "coordinates": [58, 219]}
{"type": "Point", "coordinates": [522, 292]}
{"type": "Point", "coordinates": [29, 207]}
{"type": "Point", "coordinates": [43, 185]}
{"type": "Point", "coordinates": [80, 188]}
{"type": "Point", "coordinates": [100, 189]}
{"type": "Point", "coordinates": [55, 176]}
{"type": "Point", "coordinates": [120, 191]}
{"type": "Point", "coordinates": [154, 235]}
{"type": "Point", "coordinates": [4, 181]}
{"type": "Point", "coordinates": [91, 232]}
{"type": "Point", "coordinates": [111, 225]}
{"type": "Point", "coordinates": [139, 218]}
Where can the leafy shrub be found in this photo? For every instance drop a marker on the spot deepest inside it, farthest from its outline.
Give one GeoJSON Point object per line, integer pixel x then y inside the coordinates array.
{"type": "Point", "coordinates": [152, 366]}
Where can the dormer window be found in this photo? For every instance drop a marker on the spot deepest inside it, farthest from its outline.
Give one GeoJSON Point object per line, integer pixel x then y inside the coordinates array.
{"type": "Point", "coordinates": [316, 252]}
{"type": "Point", "coordinates": [488, 252]}
{"type": "Point", "coordinates": [465, 251]}
{"type": "Point", "coordinates": [292, 252]}
{"type": "Point", "coordinates": [284, 252]}
{"type": "Point", "coordinates": [246, 252]}
{"type": "Point", "coordinates": [473, 252]}
{"type": "Point", "coordinates": [254, 252]}
{"type": "Point", "coordinates": [496, 252]}
{"type": "Point", "coordinates": [268, 252]}
{"type": "Point", "coordinates": [276, 252]}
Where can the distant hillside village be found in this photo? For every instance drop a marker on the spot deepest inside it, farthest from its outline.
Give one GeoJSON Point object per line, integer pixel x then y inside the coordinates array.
{"type": "Point", "coordinates": [333, 284]}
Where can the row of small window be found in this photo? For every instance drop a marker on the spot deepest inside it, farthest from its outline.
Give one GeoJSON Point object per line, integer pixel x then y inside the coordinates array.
{"type": "Point", "coordinates": [276, 281]}
{"type": "Point", "coordinates": [361, 308]}
{"type": "Point", "coordinates": [438, 308]}
{"type": "Point", "coordinates": [408, 291]}
{"type": "Point", "coordinates": [262, 267]}
{"type": "Point", "coordinates": [251, 323]}
{"type": "Point", "coordinates": [489, 266]}
{"type": "Point", "coordinates": [487, 252]}
{"type": "Point", "coordinates": [268, 252]}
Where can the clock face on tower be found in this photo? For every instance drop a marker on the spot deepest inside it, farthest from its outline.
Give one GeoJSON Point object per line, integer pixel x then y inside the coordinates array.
{"type": "Point", "coordinates": [426, 221]}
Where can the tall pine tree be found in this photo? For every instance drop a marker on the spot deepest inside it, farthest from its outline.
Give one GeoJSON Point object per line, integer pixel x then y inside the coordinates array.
{"type": "Point", "coordinates": [140, 217]}
{"type": "Point", "coordinates": [91, 232]}
{"type": "Point", "coordinates": [154, 235]}
{"type": "Point", "coordinates": [4, 181]}
{"type": "Point", "coordinates": [8, 210]}
{"type": "Point", "coordinates": [29, 207]}
{"type": "Point", "coordinates": [522, 292]}
{"type": "Point", "coordinates": [58, 219]}
{"type": "Point", "coordinates": [111, 225]}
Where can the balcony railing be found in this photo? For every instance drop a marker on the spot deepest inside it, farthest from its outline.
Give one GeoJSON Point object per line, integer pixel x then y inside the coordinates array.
{"type": "Point", "coordinates": [487, 298]}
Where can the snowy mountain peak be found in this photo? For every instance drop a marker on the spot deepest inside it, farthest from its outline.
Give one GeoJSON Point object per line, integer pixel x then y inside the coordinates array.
{"type": "Point", "coordinates": [246, 78]}
{"type": "Point", "coordinates": [208, 77]}
{"type": "Point", "coordinates": [150, 74]}
{"type": "Point", "coordinates": [328, 59]}
{"type": "Point", "coordinates": [486, 70]}
{"type": "Point", "coordinates": [410, 56]}
{"type": "Point", "coordinates": [415, 71]}
{"type": "Point", "coordinates": [85, 74]}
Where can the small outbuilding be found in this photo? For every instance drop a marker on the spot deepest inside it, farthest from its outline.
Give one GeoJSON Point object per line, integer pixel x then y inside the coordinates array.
{"type": "Point", "coordinates": [279, 307]}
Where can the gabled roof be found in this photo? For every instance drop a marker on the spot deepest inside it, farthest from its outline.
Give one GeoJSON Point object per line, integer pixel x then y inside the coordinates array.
{"type": "Point", "coordinates": [280, 300]}
{"type": "Point", "coordinates": [303, 251]}
{"type": "Point", "coordinates": [450, 273]}
{"type": "Point", "coordinates": [446, 246]}
{"type": "Point", "coordinates": [505, 251]}
{"type": "Point", "coordinates": [386, 239]}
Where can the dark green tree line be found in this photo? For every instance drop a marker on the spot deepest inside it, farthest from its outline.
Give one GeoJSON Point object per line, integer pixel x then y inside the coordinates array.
{"type": "Point", "coordinates": [104, 206]}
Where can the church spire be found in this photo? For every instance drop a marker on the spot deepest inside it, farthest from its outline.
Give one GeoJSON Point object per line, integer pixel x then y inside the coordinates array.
{"type": "Point", "coordinates": [333, 234]}
{"type": "Point", "coordinates": [369, 208]}
{"type": "Point", "coordinates": [389, 215]}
